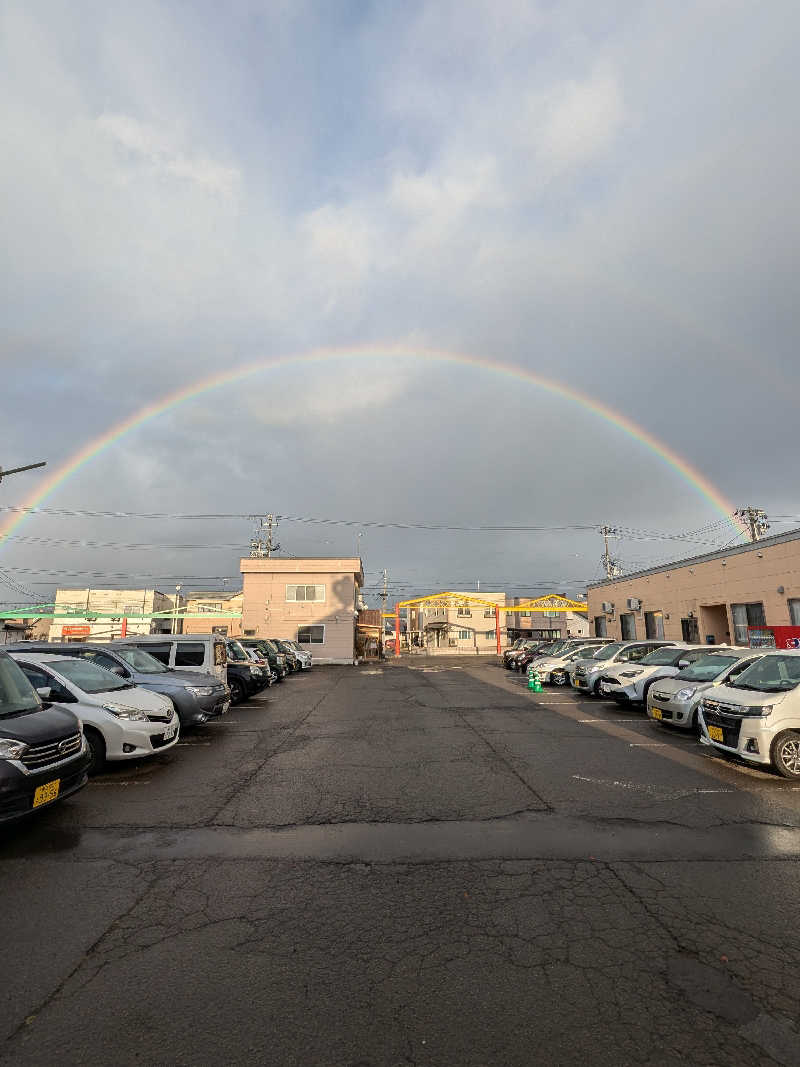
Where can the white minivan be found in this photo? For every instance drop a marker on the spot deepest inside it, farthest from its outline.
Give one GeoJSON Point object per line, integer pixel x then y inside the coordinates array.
{"type": "Point", "coordinates": [120, 721]}
{"type": "Point", "coordinates": [756, 716]}
{"type": "Point", "coordinates": [205, 653]}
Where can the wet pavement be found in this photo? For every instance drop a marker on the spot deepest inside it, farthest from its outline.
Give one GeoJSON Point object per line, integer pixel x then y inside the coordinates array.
{"type": "Point", "coordinates": [413, 863]}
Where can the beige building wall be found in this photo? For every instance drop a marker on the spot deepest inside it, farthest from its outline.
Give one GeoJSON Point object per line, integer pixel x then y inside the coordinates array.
{"type": "Point", "coordinates": [115, 605]}
{"type": "Point", "coordinates": [211, 603]}
{"type": "Point", "coordinates": [704, 588]}
{"type": "Point", "coordinates": [270, 607]}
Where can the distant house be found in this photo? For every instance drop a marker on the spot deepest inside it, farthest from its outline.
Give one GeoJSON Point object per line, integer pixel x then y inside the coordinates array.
{"type": "Point", "coordinates": [103, 614]}
{"type": "Point", "coordinates": [313, 600]}
{"type": "Point", "coordinates": [23, 630]}
{"type": "Point", "coordinates": [452, 627]}
{"type": "Point", "coordinates": [206, 603]}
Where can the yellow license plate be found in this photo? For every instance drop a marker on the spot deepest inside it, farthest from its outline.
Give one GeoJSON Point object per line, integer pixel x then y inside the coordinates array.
{"type": "Point", "coordinates": [657, 713]}
{"type": "Point", "coordinates": [577, 684]}
{"type": "Point", "coordinates": [47, 792]}
{"type": "Point", "coordinates": [715, 733]}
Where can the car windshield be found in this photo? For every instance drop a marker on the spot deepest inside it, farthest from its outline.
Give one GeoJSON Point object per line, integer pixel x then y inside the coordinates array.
{"type": "Point", "coordinates": [141, 661]}
{"type": "Point", "coordinates": [771, 674]}
{"type": "Point", "coordinates": [606, 652]}
{"type": "Point", "coordinates": [237, 653]}
{"type": "Point", "coordinates": [89, 677]}
{"type": "Point", "coordinates": [662, 657]}
{"type": "Point", "coordinates": [546, 650]}
{"type": "Point", "coordinates": [706, 669]}
{"type": "Point", "coordinates": [16, 692]}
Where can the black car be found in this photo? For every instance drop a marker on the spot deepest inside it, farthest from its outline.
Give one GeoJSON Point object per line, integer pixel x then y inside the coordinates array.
{"type": "Point", "coordinates": [197, 697]}
{"type": "Point", "coordinates": [292, 660]}
{"type": "Point", "coordinates": [43, 753]}
{"type": "Point", "coordinates": [245, 679]}
{"type": "Point", "coordinates": [275, 658]}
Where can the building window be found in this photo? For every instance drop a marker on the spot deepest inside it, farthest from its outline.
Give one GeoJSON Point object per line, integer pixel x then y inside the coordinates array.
{"type": "Point", "coordinates": [600, 628]}
{"type": "Point", "coordinates": [551, 614]}
{"type": "Point", "coordinates": [249, 633]}
{"type": "Point", "coordinates": [464, 635]}
{"type": "Point", "coordinates": [794, 611]}
{"type": "Point", "coordinates": [490, 635]}
{"type": "Point", "coordinates": [690, 631]}
{"type": "Point", "coordinates": [465, 613]}
{"type": "Point", "coordinates": [654, 624]}
{"type": "Point", "coordinates": [489, 613]}
{"type": "Point", "coordinates": [305, 593]}
{"type": "Point", "coordinates": [311, 635]}
{"type": "Point", "coordinates": [628, 626]}
{"type": "Point", "coordinates": [208, 607]}
{"type": "Point", "coordinates": [745, 615]}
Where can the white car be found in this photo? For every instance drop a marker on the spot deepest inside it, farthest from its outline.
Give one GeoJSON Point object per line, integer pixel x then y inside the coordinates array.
{"type": "Point", "coordinates": [555, 669]}
{"type": "Point", "coordinates": [756, 716]}
{"type": "Point", "coordinates": [120, 721]}
{"type": "Point", "coordinates": [630, 684]}
{"type": "Point", "coordinates": [675, 700]}
{"type": "Point", "coordinates": [302, 654]}
{"type": "Point", "coordinates": [585, 673]}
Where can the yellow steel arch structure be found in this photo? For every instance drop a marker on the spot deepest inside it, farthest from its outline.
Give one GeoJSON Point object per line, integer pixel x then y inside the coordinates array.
{"type": "Point", "coordinates": [551, 602]}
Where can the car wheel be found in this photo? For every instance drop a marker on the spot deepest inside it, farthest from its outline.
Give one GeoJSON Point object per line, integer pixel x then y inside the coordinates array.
{"type": "Point", "coordinates": [97, 748]}
{"type": "Point", "coordinates": [238, 693]}
{"type": "Point", "coordinates": [786, 754]}
{"type": "Point", "coordinates": [558, 678]}
{"type": "Point", "coordinates": [644, 694]}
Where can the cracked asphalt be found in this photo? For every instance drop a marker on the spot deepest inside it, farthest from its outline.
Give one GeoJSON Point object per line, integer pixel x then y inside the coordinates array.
{"type": "Point", "coordinates": [412, 863]}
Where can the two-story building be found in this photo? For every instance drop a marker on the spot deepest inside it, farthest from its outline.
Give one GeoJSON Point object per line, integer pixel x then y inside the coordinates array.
{"type": "Point", "coordinates": [104, 614]}
{"type": "Point", "coordinates": [314, 600]}
{"type": "Point", "coordinates": [215, 606]}
{"type": "Point", "coordinates": [452, 627]}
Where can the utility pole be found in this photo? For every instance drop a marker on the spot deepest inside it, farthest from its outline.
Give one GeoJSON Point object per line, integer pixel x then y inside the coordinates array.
{"type": "Point", "coordinates": [611, 566]}
{"type": "Point", "coordinates": [756, 521]}
{"type": "Point", "coordinates": [19, 470]}
{"type": "Point", "coordinates": [261, 545]}
{"type": "Point", "coordinates": [384, 598]}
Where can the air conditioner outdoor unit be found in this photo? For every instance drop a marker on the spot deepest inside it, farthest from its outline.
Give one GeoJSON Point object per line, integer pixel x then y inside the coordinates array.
{"type": "Point", "coordinates": [608, 608]}
{"type": "Point", "coordinates": [634, 604]}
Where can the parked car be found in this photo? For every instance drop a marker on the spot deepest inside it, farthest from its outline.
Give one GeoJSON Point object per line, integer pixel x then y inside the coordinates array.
{"type": "Point", "coordinates": [197, 697]}
{"type": "Point", "coordinates": [630, 683]}
{"type": "Point", "coordinates": [292, 659]}
{"type": "Point", "coordinates": [512, 657]}
{"type": "Point", "coordinates": [261, 661]}
{"type": "Point", "coordinates": [43, 752]}
{"type": "Point", "coordinates": [756, 716]}
{"type": "Point", "coordinates": [585, 673]}
{"type": "Point", "coordinates": [554, 669]}
{"type": "Point", "coordinates": [675, 700]}
{"type": "Point", "coordinates": [538, 651]}
{"type": "Point", "coordinates": [245, 678]}
{"type": "Point", "coordinates": [202, 653]}
{"type": "Point", "coordinates": [512, 648]}
{"type": "Point", "coordinates": [304, 655]}
{"type": "Point", "coordinates": [276, 658]}
{"type": "Point", "coordinates": [120, 720]}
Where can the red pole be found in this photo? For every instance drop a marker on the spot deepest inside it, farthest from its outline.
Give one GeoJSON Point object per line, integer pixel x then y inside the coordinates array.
{"type": "Point", "coordinates": [497, 627]}
{"type": "Point", "coordinates": [123, 631]}
{"type": "Point", "coordinates": [397, 629]}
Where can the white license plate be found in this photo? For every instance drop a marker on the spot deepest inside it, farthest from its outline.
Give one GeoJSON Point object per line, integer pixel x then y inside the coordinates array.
{"type": "Point", "coordinates": [169, 733]}
{"type": "Point", "coordinates": [226, 706]}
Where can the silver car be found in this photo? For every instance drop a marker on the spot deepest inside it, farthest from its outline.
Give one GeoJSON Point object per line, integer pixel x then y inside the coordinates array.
{"type": "Point", "coordinates": [554, 669]}
{"type": "Point", "coordinates": [675, 700]}
{"type": "Point", "coordinates": [631, 684]}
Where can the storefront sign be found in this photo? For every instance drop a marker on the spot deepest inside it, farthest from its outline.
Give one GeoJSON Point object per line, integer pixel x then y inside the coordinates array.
{"type": "Point", "coordinates": [76, 631]}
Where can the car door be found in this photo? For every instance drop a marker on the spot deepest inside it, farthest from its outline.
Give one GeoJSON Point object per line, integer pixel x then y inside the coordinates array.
{"type": "Point", "coordinates": [41, 678]}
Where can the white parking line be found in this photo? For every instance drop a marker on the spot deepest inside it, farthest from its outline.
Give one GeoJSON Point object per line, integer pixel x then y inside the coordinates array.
{"type": "Point", "coordinates": [193, 744]}
{"type": "Point", "coordinates": [647, 744]}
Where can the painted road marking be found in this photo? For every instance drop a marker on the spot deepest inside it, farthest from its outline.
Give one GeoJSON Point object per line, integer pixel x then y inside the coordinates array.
{"type": "Point", "coordinates": [646, 744]}
{"type": "Point", "coordinates": [653, 790]}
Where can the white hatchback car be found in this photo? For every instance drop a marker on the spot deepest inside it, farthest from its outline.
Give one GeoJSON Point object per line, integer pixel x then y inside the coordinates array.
{"type": "Point", "coordinates": [756, 716]}
{"type": "Point", "coordinates": [630, 684]}
{"type": "Point", "coordinates": [120, 720]}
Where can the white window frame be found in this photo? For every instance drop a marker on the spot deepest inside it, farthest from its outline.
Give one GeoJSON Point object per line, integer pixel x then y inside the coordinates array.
{"type": "Point", "coordinates": [465, 635]}
{"type": "Point", "coordinates": [465, 613]}
{"type": "Point", "coordinates": [294, 586]}
{"type": "Point", "coordinates": [311, 626]}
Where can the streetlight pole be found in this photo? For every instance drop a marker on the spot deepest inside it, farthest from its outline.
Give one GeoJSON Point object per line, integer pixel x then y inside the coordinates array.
{"type": "Point", "coordinates": [19, 470]}
{"type": "Point", "coordinates": [175, 611]}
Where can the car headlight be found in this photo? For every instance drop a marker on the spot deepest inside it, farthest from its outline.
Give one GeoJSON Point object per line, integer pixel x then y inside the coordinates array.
{"type": "Point", "coordinates": [121, 712]}
{"type": "Point", "coordinates": [10, 749]}
{"type": "Point", "coordinates": [200, 690]}
{"type": "Point", "coordinates": [256, 671]}
{"type": "Point", "coordinates": [760, 709]}
{"type": "Point", "coordinates": [687, 693]}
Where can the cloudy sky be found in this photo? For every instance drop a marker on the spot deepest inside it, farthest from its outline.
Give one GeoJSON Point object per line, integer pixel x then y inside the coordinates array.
{"type": "Point", "coordinates": [603, 194]}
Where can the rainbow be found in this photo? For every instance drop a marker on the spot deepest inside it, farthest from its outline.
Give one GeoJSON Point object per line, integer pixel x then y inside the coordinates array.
{"type": "Point", "coordinates": [93, 448]}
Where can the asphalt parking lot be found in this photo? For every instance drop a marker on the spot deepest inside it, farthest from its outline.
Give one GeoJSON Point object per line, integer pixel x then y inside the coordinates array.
{"type": "Point", "coordinates": [409, 863]}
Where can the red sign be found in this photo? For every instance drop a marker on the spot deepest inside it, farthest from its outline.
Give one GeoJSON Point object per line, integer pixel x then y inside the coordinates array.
{"type": "Point", "coordinates": [75, 631]}
{"type": "Point", "coordinates": [782, 637]}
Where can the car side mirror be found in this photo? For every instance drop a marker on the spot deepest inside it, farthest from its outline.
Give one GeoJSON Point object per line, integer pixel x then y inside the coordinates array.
{"type": "Point", "coordinates": [45, 692]}
{"type": "Point", "coordinates": [120, 671]}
